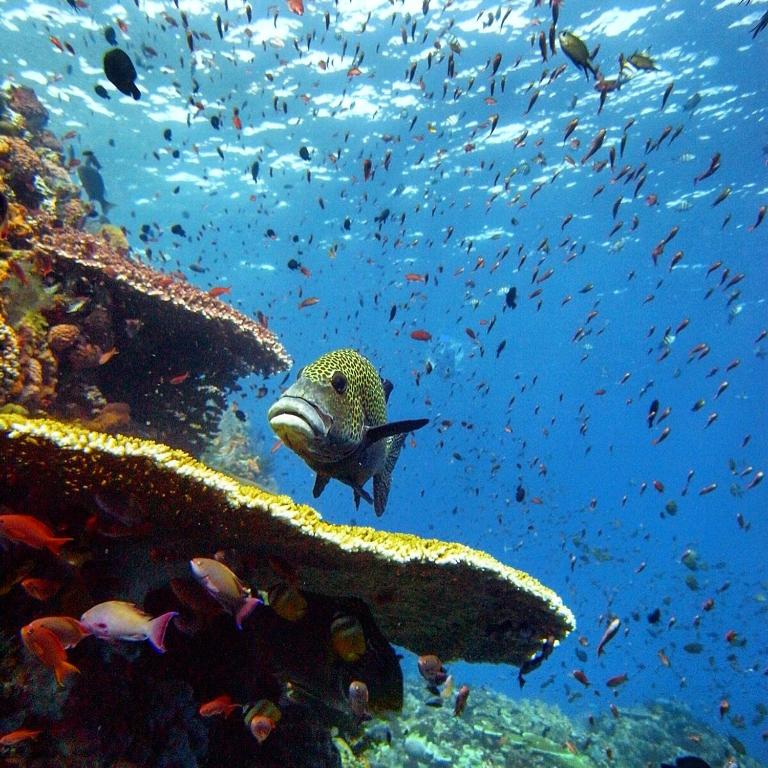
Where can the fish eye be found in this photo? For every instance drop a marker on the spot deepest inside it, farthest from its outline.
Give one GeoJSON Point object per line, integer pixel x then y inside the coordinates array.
{"type": "Point", "coordinates": [339, 382]}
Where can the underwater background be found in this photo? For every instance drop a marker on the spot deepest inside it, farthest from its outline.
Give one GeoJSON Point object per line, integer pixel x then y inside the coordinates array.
{"type": "Point", "coordinates": [372, 175]}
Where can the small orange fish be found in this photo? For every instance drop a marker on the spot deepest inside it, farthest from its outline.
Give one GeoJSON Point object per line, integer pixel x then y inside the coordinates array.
{"type": "Point", "coordinates": [68, 629]}
{"type": "Point", "coordinates": [296, 6]}
{"type": "Point", "coordinates": [28, 530]}
{"type": "Point", "coordinates": [617, 680]}
{"type": "Point", "coordinates": [57, 43]}
{"type": "Point", "coordinates": [50, 650]}
{"type": "Point", "coordinates": [123, 26]}
{"type": "Point", "coordinates": [421, 335]}
{"type": "Point", "coordinates": [461, 700]}
{"type": "Point", "coordinates": [354, 72]}
{"type": "Point", "coordinates": [40, 589]}
{"type": "Point", "coordinates": [219, 290]}
{"type": "Point", "coordinates": [414, 277]}
{"type": "Point", "coordinates": [237, 123]}
{"type": "Point", "coordinates": [308, 302]}
{"type": "Point", "coordinates": [221, 705]}
{"type": "Point", "coordinates": [262, 718]}
{"type": "Point", "coordinates": [180, 379]}
{"type": "Point", "coordinates": [579, 675]}
{"type": "Point", "coordinates": [105, 357]}
{"type": "Point", "coordinates": [347, 638]}
{"type": "Point", "coordinates": [18, 736]}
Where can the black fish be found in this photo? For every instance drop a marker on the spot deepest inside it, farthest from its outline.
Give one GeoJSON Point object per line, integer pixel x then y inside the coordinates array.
{"type": "Point", "coordinates": [177, 229]}
{"type": "Point", "coordinates": [760, 26]}
{"type": "Point", "coordinates": [120, 71]}
{"type": "Point", "coordinates": [101, 91]}
{"type": "Point", "coordinates": [511, 298]}
{"type": "Point", "coordinates": [303, 153]}
{"type": "Point", "coordinates": [652, 411]}
{"type": "Point", "coordinates": [687, 761]}
{"type": "Point", "coordinates": [255, 171]}
{"type": "Point", "coordinates": [93, 185]}
{"type": "Point", "coordinates": [167, 135]}
{"type": "Point", "coordinates": [519, 494]}
{"type": "Point", "coordinates": [111, 37]}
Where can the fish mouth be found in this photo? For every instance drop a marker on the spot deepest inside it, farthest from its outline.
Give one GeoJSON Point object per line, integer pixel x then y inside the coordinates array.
{"type": "Point", "coordinates": [299, 423]}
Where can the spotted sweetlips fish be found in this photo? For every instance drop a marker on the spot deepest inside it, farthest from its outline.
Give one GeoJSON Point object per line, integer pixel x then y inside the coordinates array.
{"type": "Point", "coordinates": [335, 418]}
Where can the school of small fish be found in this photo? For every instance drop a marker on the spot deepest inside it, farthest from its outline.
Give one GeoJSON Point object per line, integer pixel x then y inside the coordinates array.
{"type": "Point", "coordinates": [544, 220]}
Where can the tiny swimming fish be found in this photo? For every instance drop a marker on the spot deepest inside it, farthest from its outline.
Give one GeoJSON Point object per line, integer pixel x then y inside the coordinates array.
{"type": "Point", "coordinates": [26, 529]}
{"type": "Point", "coordinates": [49, 649]}
{"type": "Point", "coordinates": [347, 637]}
{"type": "Point", "coordinates": [225, 587]}
{"type": "Point", "coordinates": [121, 620]}
{"type": "Point", "coordinates": [262, 718]}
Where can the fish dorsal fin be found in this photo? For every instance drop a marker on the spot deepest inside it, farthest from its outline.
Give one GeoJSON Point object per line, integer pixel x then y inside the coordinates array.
{"type": "Point", "coordinates": [383, 481]}
{"type": "Point", "coordinates": [320, 482]}
{"type": "Point", "coordinates": [387, 386]}
{"type": "Point", "coordinates": [392, 428]}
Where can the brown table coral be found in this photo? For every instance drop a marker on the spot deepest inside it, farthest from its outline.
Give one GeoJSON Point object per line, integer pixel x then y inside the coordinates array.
{"type": "Point", "coordinates": [89, 326]}
{"type": "Point", "coordinates": [427, 595]}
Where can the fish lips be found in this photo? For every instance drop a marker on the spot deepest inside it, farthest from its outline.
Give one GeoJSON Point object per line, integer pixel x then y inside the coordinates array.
{"type": "Point", "coordinates": [299, 423]}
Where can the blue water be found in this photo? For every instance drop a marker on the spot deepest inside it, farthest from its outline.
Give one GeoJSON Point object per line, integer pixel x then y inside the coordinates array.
{"type": "Point", "coordinates": [531, 415]}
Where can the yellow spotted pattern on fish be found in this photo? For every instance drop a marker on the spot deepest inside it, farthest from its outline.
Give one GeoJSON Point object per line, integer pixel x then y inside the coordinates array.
{"type": "Point", "coordinates": [363, 401]}
{"type": "Point", "coordinates": [335, 417]}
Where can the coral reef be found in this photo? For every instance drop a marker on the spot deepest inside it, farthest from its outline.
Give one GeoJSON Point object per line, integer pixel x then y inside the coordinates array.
{"type": "Point", "coordinates": [499, 731]}
{"type": "Point", "coordinates": [23, 100]}
{"type": "Point", "coordinates": [479, 609]}
{"type": "Point", "coordinates": [93, 326]}
{"type": "Point", "coordinates": [232, 451]}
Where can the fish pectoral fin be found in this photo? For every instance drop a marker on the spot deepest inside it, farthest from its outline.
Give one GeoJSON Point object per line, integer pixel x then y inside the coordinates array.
{"type": "Point", "coordinates": [320, 482]}
{"type": "Point", "coordinates": [374, 434]}
{"type": "Point", "coordinates": [383, 480]}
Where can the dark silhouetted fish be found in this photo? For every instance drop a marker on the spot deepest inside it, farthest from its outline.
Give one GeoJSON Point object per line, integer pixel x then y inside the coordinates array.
{"type": "Point", "coordinates": [120, 71]}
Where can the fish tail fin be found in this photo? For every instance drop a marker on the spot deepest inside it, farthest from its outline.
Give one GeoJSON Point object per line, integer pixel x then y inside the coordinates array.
{"type": "Point", "coordinates": [54, 545]}
{"type": "Point", "coordinates": [106, 207]}
{"type": "Point", "coordinates": [157, 629]}
{"type": "Point", "coordinates": [64, 670]}
{"type": "Point", "coordinates": [383, 481]}
{"type": "Point", "coordinates": [246, 609]}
